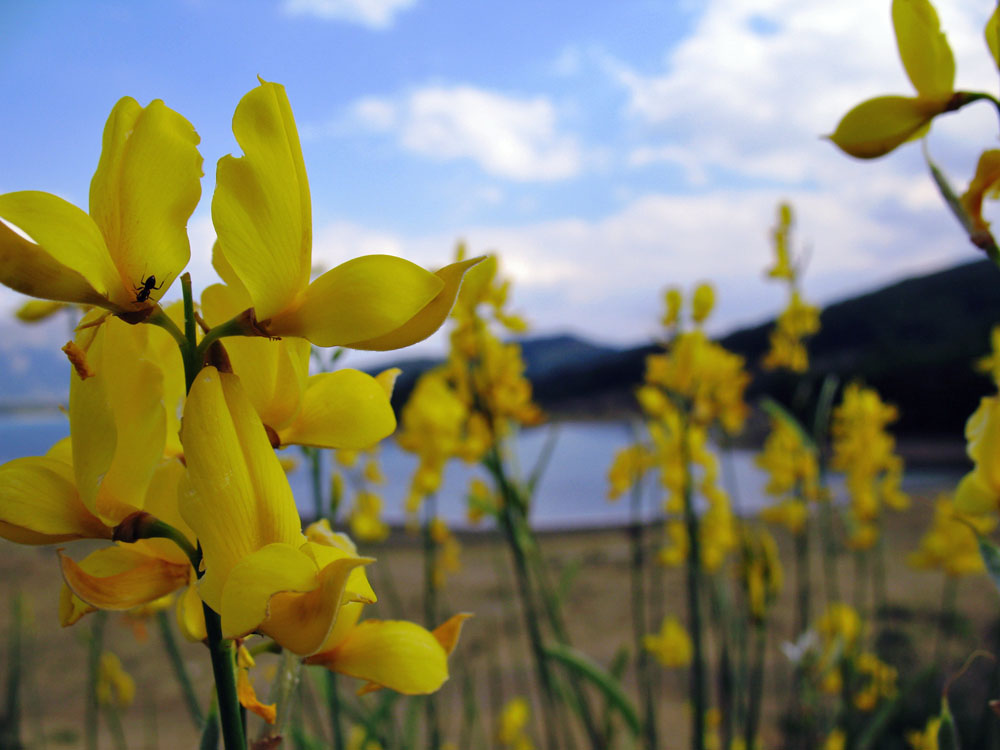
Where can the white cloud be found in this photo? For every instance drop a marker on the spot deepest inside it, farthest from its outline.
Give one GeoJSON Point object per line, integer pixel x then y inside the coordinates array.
{"type": "Point", "coordinates": [758, 81]}
{"type": "Point", "coordinates": [509, 137]}
{"type": "Point", "coordinates": [375, 14]}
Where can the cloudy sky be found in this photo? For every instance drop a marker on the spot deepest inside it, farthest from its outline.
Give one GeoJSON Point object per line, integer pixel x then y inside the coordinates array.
{"type": "Point", "coordinates": [605, 150]}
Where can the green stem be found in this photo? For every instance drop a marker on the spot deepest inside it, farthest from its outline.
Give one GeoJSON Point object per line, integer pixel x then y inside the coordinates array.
{"type": "Point", "coordinates": [180, 671]}
{"type": "Point", "coordinates": [639, 620]}
{"type": "Point", "coordinates": [430, 613]}
{"type": "Point", "coordinates": [316, 478]}
{"type": "Point", "coordinates": [94, 648]}
{"type": "Point", "coordinates": [802, 579]}
{"type": "Point", "coordinates": [10, 720]}
{"type": "Point", "coordinates": [224, 669]}
{"type": "Point", "coordinates": [756, 687]}
{"type": "Point", "coordinates": [949, 596]}
{"type": "Point", "coordinates": [283, 691]}
{"type": "Point", "coordinates": [333, 700]}
{"type": "Point", "coordinates": [234, 327]}
{"type": "Point", "coordinates": [694, 585]}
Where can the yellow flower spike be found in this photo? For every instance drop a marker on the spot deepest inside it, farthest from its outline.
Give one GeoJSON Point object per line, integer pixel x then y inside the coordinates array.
{"type": "Point", "coordinates": [979, 490]}
{"type": "Point", "coordinates": [121, 577]}
{"type": "Point", "coordinates": [145, 188]}
{"type": "Point", "coordinates": [877, 126]}
{"type": "Point", "coordinates": [923, 48]}
{"type": "Point", "coordinates": [985, 182]}
{"type": "Point", "coordinates": [263, 217]}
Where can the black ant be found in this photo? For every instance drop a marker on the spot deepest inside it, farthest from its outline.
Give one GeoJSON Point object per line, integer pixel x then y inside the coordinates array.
{"type": "Point", "coordinates": [148, 286]}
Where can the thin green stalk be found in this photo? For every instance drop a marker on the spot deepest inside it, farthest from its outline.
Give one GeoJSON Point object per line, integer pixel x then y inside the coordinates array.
{"type": "Point", "coordinates": [722, 621]}
{"type": "Point", "coordinates": [283, 692]}
{"type": "Point", "coordinates": [333, 702]}
{"type": "Point", "coordinates": [830, 553]}
{"type": "Point", "coordinates": [95, 645]}
{"type": "Point", "coordinates": [223, 656]}
{"type": "Point", "coordinates": [180, 671]}
{"type": "Point", "coordinates": [880, 592]}
{"type": "Point", "coordinates": [949, 596]}
{"type": "Point", "coordinates": [802, 580]}
{"type": "Point", "coordinates": [756, 687]}
{"type": "Point", "coordinates": [430, 613]}
{"type": "Point", "coordinates": [221, 650]}
{"type": "Point", "coordinates": [640, 623]}
{"type": "Point", "coordinates": [114, 722]}
{"type": "Point", "coordinates": [10, 720]}
{"type": "Point", "coordinates": [694, 586]}
{"type": "Point", "coordinates": [531, 620]}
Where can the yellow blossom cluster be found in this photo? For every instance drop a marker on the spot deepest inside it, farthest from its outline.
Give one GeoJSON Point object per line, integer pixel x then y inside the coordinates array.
{"type": "Point", "coordinates": [979, 491]}
{"type": "Point", "coordinates": [878, 681]}
{"type": "Point", "coordinates": [950, 545]}
{"type": "Point", "coordinates": [627, 468]}
{"type": "Point", "coordinates": [865, 452]}
{"type": "Point", "coordinates": [171, 452]}
{"type": "Point", "coordinates": [792, 474]}
{"type": "Point", "coordinates": [446, 556]}
{"type": "Point", "coordinates": [799, 319]}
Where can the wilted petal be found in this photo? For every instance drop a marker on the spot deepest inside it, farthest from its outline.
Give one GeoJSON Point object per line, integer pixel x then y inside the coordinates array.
{"type": "Point", "coordinates": [395, 654]}
{"type": "Point", "coordinates": [877, 126]}
{"type": "Point", "coordinates": [261, 208]}
{"type": "Point", "coordinates": [364, 298]}
{"type": "Point", "coordinates": [923, 48]}
{"type": "Point", "coordinates": [119, 578]}
{"type": "Point", "coordinates": [984, 182]}
{"type": "Point", "coordinates": [341, 409]}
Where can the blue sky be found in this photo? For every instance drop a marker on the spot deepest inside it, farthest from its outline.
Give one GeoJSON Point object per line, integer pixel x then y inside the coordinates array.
{"type": "Point", "coordinates": [606, 150]}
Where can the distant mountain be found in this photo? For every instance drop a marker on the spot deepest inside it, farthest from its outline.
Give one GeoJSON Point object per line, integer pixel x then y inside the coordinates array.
{"type": "Point", "coordinates": [915, 341]}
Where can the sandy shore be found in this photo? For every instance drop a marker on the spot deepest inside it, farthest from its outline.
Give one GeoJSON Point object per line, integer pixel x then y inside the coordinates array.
{"type": "Point", "coordinates": [492, 658]}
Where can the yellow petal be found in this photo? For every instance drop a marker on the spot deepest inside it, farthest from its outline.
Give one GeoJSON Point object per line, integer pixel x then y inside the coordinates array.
{"type": "Point", "coordinates": [35, 310]}
{"type": "Point", "coordinates": [993, 35]}
{"type": "Point", "coordinates": [476, 283]}
{"type": "Point", "coordinates": [71, 607]}
{"type": "Point", "coordinates": [191, 615]}
{"type": "Point", "coordinates": [256, 578]}
{"type": "Point", "coordinates": [146, 186]}
{"type": "Point", "coordinates": [248, 698]}
{"type": "Point", "coordinates": [39, 504]}
{"type": "Point", "coordinates": [303, 622]}
{"type": "Point", "coordinates": [237, 498]}
{"type": "Point", "coordinates": [448, 632]}
{"type": "Point", "coordinates": [877, 126]}
{"type": "Point", "coordinates": [69, 262]}
{"type": "Point", "coordinates": [974, 497]}
{"type": "Point", "coordinates": [986, 178]}
{"type": "Point", "coordinates": [273, 372]}
{"type": "Point", "coordinates": [358, 589]}
{"type": "Point", "coordinates": [118, 578]}
{"type": "Point", "coordinates": [395, 654]}
{"type": "Point", "coordinates": [261, 208]}
{"type": "Point", "coordinates": [923, 49]}
{"type": "Point", "coordinates": [430, 318]}
{"type": "Point", "coordinates": [341, 409]}
{"type": "Point", "coordinates": [364, 298]}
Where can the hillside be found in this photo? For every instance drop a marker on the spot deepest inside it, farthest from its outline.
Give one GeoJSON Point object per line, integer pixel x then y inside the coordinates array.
{"type": "Point", "coordinates": [915, 341]}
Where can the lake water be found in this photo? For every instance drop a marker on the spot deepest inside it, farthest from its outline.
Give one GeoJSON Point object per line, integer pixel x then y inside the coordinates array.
{"type": "Point", "coordinates": [571, 492]}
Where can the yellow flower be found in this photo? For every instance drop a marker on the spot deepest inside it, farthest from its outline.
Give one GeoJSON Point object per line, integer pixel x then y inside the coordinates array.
{"type": "Point", "coordinates": [671, 646]}
{"type": "Point", "coordinates": [979, 491]}
{"type": "Point", "coordinates": [366, 518]}
{"type": "Point", "coordinates": [263, 217]}
{"type": "Point", "coordinates": [513, 725]}
{"type": "Point", "coordinates": [928, 738]}
{"type": "Point", "coordinates": [261, 574]}
{"type": "Point", "coordinates": [877, 126]}
{"type": "Point", "coordinates": [949, 544]}
{"type": "Point", "coordinates": [131, 247]}
{"type": "Point", "coordinates": [840, 623]}
{"type": "Point", "coordinates": [673, 301]}
{"type": "Point", "coordinates": [396, 654]}
{"type": "Point", "coordinates": [702, 302]}
{"type": "Point", "coordinates": [836, 740]}
{"type": "Point", "coordinates": [627, 468]}
{"type": "Point", "coordinates": [984, 184]}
